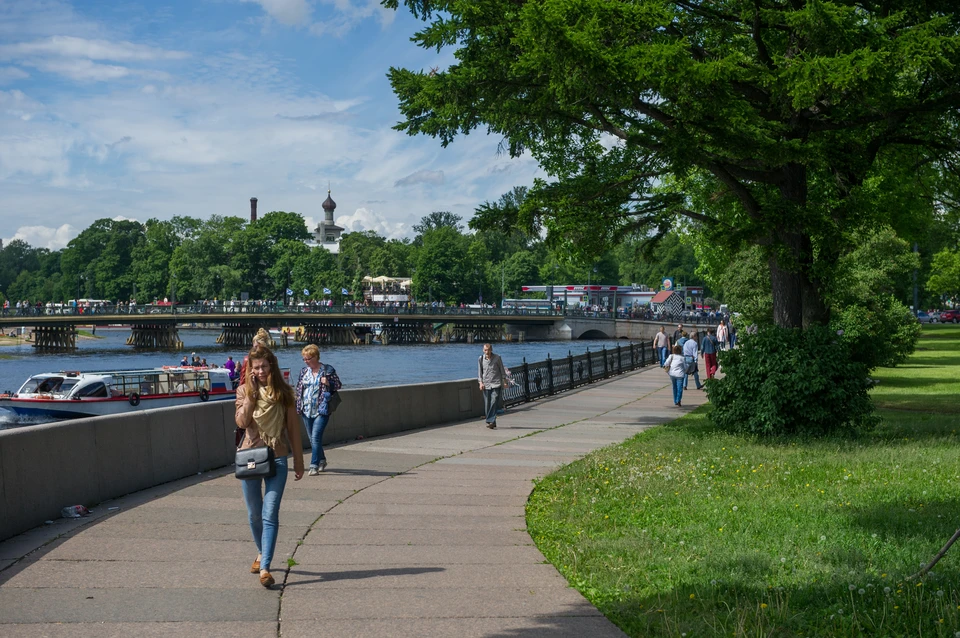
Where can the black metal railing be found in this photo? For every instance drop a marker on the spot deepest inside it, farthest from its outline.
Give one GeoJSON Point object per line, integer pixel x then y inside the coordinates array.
{"type": "Point", "coordinates": [544, 378]}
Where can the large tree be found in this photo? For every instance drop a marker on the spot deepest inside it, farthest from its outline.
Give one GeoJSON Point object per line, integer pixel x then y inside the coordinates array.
{"type": "Point", "coordinates": [775, 123]}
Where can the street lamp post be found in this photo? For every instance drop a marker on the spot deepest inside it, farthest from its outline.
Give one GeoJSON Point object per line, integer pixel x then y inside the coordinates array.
{"type": "Point", "coordinates": [173, 293]}
{"type": "Point", "coordinates": [76, 307]}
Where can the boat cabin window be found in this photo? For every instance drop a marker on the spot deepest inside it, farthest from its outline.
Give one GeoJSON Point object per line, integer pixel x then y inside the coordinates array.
{"type": "Point", "coordinates": [97, 389]}
{"type": "Point", "coordinates": [50, 384]}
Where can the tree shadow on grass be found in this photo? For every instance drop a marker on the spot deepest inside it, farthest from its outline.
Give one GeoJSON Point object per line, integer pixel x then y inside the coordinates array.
{"type": "Point", "coordinates": [934, 521]}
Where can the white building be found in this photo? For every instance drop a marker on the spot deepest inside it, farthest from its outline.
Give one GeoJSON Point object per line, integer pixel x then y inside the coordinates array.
{"type": "Point", "coordinates": [327, 233]}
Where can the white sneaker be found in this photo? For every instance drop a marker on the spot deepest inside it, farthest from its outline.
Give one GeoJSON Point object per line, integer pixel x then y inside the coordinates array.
{"type": "Point", "coordinates": [322, 467]}
{"type": "Point", "coordinates": [313, 472]}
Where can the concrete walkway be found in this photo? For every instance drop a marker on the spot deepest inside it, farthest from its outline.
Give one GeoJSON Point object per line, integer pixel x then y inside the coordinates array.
{"type": "Point", "coordinates": [418, 534]}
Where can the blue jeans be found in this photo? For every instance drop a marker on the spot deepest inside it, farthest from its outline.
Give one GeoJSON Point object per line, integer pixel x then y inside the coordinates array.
{"type": "Point", "coordinates": [490, 396]}
{"type": "Point", "coordinates": [315, 427]}
{"type": "Point", "coordinates": [263, 510]}
{"type": "Point", "coordinates": [677, 388]}
{"type": "Point", "coordinates": [663, 355]}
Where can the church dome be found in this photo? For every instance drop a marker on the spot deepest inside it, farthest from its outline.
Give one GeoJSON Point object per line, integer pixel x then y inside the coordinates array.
{"type": "Point", "coordinates": [328, 203]}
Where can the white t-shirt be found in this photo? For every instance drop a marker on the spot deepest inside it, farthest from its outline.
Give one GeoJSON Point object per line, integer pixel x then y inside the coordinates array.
{"type": "Point", "coordinates": [675, 366]}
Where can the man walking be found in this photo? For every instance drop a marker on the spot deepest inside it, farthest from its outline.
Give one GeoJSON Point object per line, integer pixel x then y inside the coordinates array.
{"type": "Point", "coordinates": [709, 349]}
{"type": "Point", "coordinates": [678, 333]}
{"type": "Point", "coordinates": [661, 344]}
{"type": "Point", "coordinates": [690, 351]}
{"type": "Point", "coordinates": [492, 376]}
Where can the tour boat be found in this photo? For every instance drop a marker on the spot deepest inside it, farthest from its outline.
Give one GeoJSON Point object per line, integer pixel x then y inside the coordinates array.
{"type": "Point", "coordinates": [69, 395]}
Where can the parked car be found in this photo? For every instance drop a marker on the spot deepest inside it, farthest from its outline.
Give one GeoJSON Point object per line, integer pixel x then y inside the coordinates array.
{"type": "Point", "coordinates": [923, 317]}
{"type": "Point", "coordinates": [950, 316]}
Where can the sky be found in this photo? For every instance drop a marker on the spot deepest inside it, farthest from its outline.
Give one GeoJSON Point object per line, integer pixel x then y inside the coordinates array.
{"type": "Point", "coordinates": [139, 110]}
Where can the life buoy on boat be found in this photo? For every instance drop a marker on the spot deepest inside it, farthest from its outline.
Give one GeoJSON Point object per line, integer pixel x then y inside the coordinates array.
{"type": "Point", "coordinates": [204, 395]}
{"type": "Point", "coordinates": [134, 399]}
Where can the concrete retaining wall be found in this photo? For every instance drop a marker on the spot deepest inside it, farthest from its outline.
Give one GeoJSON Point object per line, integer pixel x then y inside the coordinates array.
{"type": "Point", "coordinates": [87, 461]}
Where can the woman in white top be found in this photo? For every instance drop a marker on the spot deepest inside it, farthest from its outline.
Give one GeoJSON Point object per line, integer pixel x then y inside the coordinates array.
{"type": "Point", "coordinates": [677, 370]}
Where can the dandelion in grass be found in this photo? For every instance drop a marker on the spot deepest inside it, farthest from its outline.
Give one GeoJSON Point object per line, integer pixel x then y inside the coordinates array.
{"type": "Point", "coordinates": [861, 591]}
{"type": "Point", "coordinates": [940, 593]}
{"type": "Point", "coordinates": [886, 590]}
{"type": "Point", "coordinates": [851, 587]}
{"type": "Point", "coordinates": [822, 538]}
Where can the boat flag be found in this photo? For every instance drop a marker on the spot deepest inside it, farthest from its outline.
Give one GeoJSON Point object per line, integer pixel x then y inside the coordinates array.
{"type": "Point", "coordinates": [326, 291]}
{"type": "Point", "coordinates": [306, 292]}
{"type": "Point", "coordinates": [289, 292]}
{"type": "Point", "coordinates": [345, 291]}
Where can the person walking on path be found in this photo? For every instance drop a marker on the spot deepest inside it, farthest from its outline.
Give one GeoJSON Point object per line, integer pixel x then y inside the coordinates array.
{"type": "Point", "coordinates": [661, 343]}
{"type": "Point", "coordinates": [492, 376]}
{"type": "Point", "coordinates": [691, 350]}
{"type": "Point", "coordinates": [677, 371]}
{"type": "Point", "coordinates": [709, 348]}
{"type": "Point", "coordinates": [267, 412]}
{"type": "Point", "coordinates": [722, 335]}
{"type": "Point", "coordinates": [679, 332]}
{"type": "Point", "coordinates": [315, 387]}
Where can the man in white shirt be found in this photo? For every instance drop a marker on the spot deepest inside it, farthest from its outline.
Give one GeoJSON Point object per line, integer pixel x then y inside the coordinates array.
{"type": "Point", "coordinates": [690, 351]}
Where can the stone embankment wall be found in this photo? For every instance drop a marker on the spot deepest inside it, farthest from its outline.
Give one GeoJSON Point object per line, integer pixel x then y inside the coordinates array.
{"type": "Point", "coordinates": [44, 468]}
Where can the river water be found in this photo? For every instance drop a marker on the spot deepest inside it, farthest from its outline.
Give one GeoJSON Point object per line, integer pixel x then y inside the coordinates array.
{"type": "Point", "coordinates": [358, 366]}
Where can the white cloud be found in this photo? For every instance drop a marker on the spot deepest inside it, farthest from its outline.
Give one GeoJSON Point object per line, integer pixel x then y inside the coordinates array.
{"type": "Point", "coordinates": [44, 236]}
{"type": "Point", "coordinates": [287, 12]}
{"type": "Point", "coordinates": [12, 74]}
{"type": "Point", "coordinates": [73, 47]}
{"type": "Point", "coordinates": [421, 177]}
{"type": "Point", "coordinates": [365, 219]}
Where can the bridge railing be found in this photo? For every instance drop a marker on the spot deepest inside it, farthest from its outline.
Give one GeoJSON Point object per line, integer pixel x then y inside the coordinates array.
{"type": "Point", "coordinates": [242, 309]}
{"type": "Point", "coordinates": [544, 378]}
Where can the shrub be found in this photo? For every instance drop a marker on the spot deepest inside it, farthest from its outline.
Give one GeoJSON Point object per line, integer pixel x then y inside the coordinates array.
{"type": "Point", "coordinates": [881, 332]}
{"type": "Point", "coordinates": [791, 382]}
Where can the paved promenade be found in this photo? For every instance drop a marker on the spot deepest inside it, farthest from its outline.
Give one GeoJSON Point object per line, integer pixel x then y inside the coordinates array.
{"type": "Point", "coordinates": [417, 534]}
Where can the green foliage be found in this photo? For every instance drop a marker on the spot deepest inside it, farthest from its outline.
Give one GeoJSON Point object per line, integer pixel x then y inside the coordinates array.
{"type": "Point", "coordinates": [745, 284]}
{"type": "Point", "coordinates": [783, 125]}
{"type": "Point", "coordinates": [788, 382]}
{"type": "Point", "coordinates": [945, 274]}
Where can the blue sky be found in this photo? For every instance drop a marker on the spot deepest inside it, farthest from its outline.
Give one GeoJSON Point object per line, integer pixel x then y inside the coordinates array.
{"type": "Point", "coordinates": [137, 110]}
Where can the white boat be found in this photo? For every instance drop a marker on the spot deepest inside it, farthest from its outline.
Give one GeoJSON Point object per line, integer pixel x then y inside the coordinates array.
{"type": "Point", "coordinates": [67, 395]}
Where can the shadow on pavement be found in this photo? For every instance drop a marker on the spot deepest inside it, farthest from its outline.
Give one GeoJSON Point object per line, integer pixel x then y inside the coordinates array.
{"type": "Point", "coordinates": [327, 577]}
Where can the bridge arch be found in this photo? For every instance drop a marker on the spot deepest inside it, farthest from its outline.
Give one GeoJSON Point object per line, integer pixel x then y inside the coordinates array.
{"type": "Point", "coordinates": [594, 333]}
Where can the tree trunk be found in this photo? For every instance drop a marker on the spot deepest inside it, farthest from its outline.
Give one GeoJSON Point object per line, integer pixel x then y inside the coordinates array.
{"type": "Point", "coordinates": [797, 302]}
{"type": "Point", "coordinates": [787, 290]}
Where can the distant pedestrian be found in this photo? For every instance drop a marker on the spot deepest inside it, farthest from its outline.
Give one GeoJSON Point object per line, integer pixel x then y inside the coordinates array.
{"type": "Point", "coordinates": [691, 349]}
{"type": "Point", "coordinates": [677, 371]}
{"type": "Point", "coordinates": [267, 412]}
{"type": "Point", "coordinates": [722, 335]}
{"type": "Point", "coordinates": [661, 344]}
{"type": "Point", "coordinates": [231, 367]}
{"type": "Point", "coordinates": [317, 384]}
{"type": "Point", "coordinates": [184, 361]}
{"type": "Point", "coordinates": [709, 348]}
{"type": "Point", "coordinates": [492, 377]}
{"type": "Point", "coordinates": [679, 332]}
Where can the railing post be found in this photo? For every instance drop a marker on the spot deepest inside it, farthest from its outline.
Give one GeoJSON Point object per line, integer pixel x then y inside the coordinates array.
{"type": "Point", "coordinates": [549, 374]}
{"type": "Point", "coordinates": [570, 364]}
{"type": "Point", "coordinates": [526, 381]}
{"type": "Point", "coordinates": [643, 353]}
{"type": "Point", "coordinates": [606, 367]}
{"type": "Point", "coordinates": [619, 360]}
{"type": "Point", "coordinates": [589, 366]}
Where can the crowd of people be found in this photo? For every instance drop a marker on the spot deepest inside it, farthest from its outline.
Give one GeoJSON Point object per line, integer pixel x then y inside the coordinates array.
{"type": "Point", "coordinates": [680, 352]}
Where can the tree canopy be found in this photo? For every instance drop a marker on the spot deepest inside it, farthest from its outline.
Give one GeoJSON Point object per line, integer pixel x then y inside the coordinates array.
{"type": "Point", "coordinates": [786, 125]}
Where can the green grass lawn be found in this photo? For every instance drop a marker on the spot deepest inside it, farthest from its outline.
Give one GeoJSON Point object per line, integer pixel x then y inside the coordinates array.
{"type": "Point", "coordinates": [684, 531]}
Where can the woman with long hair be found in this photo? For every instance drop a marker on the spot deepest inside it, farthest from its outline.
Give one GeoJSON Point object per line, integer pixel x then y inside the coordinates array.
{"type": "Point", "coordinates": [267, 412]}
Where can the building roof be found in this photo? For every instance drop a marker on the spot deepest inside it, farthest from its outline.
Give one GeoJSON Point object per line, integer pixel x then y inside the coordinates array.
{"type": "Point", "coordinates": [662, 296]}
{"type": "Point", "coordinates": [328, 203]}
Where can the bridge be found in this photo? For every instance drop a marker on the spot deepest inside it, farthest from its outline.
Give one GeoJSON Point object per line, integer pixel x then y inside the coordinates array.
{"type": "Point", "coordinates": [157, 326]}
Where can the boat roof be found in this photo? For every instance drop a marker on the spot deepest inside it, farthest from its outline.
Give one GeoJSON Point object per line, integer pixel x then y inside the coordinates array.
{"type": "Point", "coordinates": [107, 373]}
